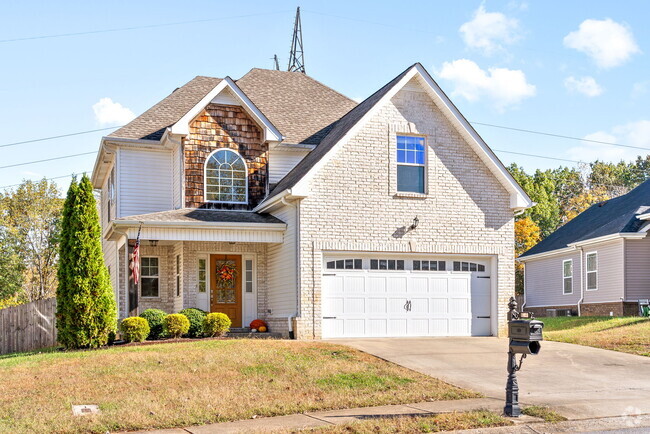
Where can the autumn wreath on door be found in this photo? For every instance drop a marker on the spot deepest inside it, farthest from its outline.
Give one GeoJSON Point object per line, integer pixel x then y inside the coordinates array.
{"type": "Point", "coordinates": [226, 274]}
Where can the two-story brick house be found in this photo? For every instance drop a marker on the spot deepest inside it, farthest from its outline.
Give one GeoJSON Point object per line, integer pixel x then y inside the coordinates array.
{"type": "Point", "coordinates": [391, 217]}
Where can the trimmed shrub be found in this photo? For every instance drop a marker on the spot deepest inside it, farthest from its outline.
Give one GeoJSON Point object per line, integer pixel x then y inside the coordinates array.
{"type": "Point", "coordinates": [85, 305]}
{"type": "Point", "coordinates": [216, 324]}
{"type": "Point", "coordinates": [176, 325]}
{"type": "Point", "coordinates": [155, 319]}
{"type": "Point", "coordinates": [196, 317]}
{"type": "Point", "coordinates": [134, 329]}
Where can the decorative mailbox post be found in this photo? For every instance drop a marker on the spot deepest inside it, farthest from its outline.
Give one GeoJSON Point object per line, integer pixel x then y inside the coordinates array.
{"type": "Point", "coordinates": [525, 337]}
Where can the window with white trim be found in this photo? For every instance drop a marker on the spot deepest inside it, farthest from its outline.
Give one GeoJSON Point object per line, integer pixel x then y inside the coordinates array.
{"type": "Point", "coordinates": [344, 264]}
{"type": "Point", "coordinates": [111, 194]}
{"type": "Point", "coordinates": [149, 277]}
{"type": "Point", "coordinates": [592, 271]}
{"type": "Point", "coordinates": [411, 157]}
{"type": "Point", "coordinates": [249, 275]}
{"type": "Point", "coordinates": [203, 282]}
{"type": "Point", "coordinates": [567, 276]}
{"type": "Point", "coordinates": [226, 177]}
{"type": "Point", "coordinates": [386, 264]}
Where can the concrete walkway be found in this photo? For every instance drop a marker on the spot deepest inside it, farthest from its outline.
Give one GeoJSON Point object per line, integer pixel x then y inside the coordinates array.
{"type": "Point", "coordinates": [578, 382]}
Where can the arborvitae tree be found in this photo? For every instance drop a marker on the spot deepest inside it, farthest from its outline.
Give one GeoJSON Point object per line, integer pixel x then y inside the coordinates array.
{"type": "Point", "coordinates": [86, 311]}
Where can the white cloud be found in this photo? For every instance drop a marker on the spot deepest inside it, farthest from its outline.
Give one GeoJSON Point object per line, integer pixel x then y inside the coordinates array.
{"type": "Point", "coordinates": [640, 88]}
{"type": "Point", "coordinates": [108, 112]}
{"type": "Point", "coordinates": [503, 87]}
{"type": "Point", "coordinates": [632, 134]}
{"type": "Point", "coordinates": [584, 85]}
{"type": "Point", "coordinates": [607, 42]}
{"type": "Point", "coordinates": [490, 31]}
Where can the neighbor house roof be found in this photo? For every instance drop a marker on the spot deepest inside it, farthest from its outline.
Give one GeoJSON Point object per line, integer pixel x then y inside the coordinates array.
{"type": "Point", "coordinates": [185, 215]}
{"type": "Point", "coordinates": [151, 124]}
{"type": "Point", "coordinates": [610, 217]}
{"type": "Point", "coordinates": [303, 109]}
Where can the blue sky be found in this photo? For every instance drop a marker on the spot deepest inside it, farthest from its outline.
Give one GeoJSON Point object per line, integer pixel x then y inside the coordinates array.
{"type": "Point", "coordinates": [576, 68]}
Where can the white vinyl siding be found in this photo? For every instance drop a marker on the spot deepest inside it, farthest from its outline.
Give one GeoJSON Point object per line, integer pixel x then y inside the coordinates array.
{"type": "Point", "coordinates": [282, 282]}
{"type": "Point", "coordinates": [591, 259]}
{"type": "Point", "coordinates": [144, 182]}
{"type": "Point", "coordinates": [567, 276]}
{"type": "Point", "coordinates": [282, 161]}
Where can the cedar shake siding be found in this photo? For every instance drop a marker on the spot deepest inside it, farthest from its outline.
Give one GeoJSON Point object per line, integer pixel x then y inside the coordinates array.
{"type": "Point", "coordinates": [224, 126]}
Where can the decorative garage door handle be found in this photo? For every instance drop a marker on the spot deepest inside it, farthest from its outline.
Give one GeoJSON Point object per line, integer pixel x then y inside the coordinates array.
{"type": "Point", "coordinates": [484, 317]}
{"type": "Point", "coordinates": [329, 317]}
{"type": "Point", "coordinates": [407, 306]}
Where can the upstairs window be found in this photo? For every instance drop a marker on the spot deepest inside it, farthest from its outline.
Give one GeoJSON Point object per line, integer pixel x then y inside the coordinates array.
{"type": "Point", "coordinates": [567, 276]}
{"type": "Point", "coordinates": [592, 271]}
{"type": "Point", "coordinates": [410, 164]}
{"type": "Point", "coordinates": [226, 177]}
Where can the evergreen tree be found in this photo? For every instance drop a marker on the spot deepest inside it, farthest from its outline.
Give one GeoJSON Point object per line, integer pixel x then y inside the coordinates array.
{"type": "Point", "coordinates": [86, 311]}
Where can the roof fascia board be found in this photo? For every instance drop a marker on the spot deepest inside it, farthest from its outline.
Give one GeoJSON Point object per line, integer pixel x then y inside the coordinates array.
{"type": "Point", "coordinates": [203, 225]}
{"type": "Point", "coordinates": [546, 254]}
{"type": "Point", "coordinates": [611, 237]}
{"type": "Point", "coordinates": [182, 127]}
{"type": "Point", "coordinates": [518, 197]}
{"type": "Point", "coordinates": [278, 200]}
{"type": "Point", "coordinates": [98, 174]}
{"type": "Point", "coordinates": [302, 186]}
{"type": "Point", "coordinates": [644, 216]}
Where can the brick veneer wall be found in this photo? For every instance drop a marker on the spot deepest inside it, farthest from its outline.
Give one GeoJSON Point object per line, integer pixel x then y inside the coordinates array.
{"type": "Point", "coordinates": [224, 126]}
{"type": "Point", "coordinates": [353, 204]}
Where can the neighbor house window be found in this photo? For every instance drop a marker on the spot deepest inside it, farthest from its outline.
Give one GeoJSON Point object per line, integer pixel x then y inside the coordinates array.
{"type": "Point", "coordinates": [410, 164]}
{"type": "Point", "coordinates": [203, 284]}
{"type": "Point", "coordinates": [149, 277]}
{"type": "Point", "coordinates": [592, 271]}
{"type": "Point", "coordinates": [226, 178]}
{"type": "Point", "coordinates": [567, 276]}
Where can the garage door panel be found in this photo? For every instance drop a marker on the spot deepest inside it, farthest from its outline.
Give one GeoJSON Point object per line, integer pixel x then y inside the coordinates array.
{"type": "Point", "coordinates": [378, 303]}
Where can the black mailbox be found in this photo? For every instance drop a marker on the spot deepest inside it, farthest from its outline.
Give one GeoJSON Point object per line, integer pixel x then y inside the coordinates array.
{"type": "Point", "coordinates": [525, 347]}
{"type": "Point", "coordinates": [525, 330]}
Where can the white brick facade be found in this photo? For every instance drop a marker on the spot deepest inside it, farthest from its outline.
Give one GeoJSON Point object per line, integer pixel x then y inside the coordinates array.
{"type": "Point", "coordinates": [353, 205]}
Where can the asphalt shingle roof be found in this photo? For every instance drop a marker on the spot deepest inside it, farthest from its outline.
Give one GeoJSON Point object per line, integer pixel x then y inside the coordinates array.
{"type": "Point", "coordinates": [303, 109]}
{"type": "Point", "coordinates": [606, 218]}
{"type": "Point", "coordinates": [202, 215]}
{"type": "Point", "coordinates": [151, 124]}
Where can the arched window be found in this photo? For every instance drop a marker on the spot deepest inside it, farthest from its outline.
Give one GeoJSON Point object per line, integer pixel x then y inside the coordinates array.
{"type": "Point", "coordinates": [226, 177]}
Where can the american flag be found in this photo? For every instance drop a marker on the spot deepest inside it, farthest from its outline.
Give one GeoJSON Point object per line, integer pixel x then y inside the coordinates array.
{"type": "Point", "coordinates": [135, 260]}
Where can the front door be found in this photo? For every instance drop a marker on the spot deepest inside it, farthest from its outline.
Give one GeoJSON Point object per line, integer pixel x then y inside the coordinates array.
{"type": "Point", "coordinates": [225, 294]}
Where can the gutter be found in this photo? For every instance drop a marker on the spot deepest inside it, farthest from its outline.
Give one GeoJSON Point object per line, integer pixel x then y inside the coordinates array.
{"type": "Point", "coordinates": [193, 225]}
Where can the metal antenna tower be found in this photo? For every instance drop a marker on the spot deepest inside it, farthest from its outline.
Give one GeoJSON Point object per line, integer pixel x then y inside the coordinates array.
{"type": "Point", "coordinates": [276, 63]}
{"type": "Point", "coordinates": [297, 56]}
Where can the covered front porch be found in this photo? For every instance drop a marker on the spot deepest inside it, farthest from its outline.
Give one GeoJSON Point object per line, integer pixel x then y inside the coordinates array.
{"type": "Point", "coordinates": [182, 253]}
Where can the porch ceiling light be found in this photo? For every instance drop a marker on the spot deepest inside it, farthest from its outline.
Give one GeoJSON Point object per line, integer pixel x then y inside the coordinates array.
{"type": "Point", "coordinates": [153, 243]}
{"type": "Point", "coordinates": [416, 222]}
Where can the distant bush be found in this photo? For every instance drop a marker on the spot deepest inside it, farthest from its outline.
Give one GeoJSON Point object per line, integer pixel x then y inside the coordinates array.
{"type": "Point", "coordinates": [196, 317]}
{"type": "Point", "coordinates": [134, 329]}
{"type": "Point", "coordinates": [155, 319]}
{"type": "Point", "coordinates": [216, 324]}
{"type": "Point", "coordinates": [176, 325]}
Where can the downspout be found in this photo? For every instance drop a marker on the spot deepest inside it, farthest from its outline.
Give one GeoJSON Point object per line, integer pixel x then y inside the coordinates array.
{"type": "Point", "coordinates": [582, 281]}
{"type": "Point", "coordinates": [525, 300]}
{"type": "Point", "coordinates": [290, 318]}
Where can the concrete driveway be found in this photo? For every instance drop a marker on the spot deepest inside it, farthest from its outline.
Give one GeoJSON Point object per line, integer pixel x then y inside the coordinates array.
{"type": "Point", "coordinates": [579, 382]}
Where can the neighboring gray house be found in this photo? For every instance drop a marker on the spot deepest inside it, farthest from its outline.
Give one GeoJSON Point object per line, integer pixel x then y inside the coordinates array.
{"type": "Point", "coordinates": [596, 264]}
{"type": "Point", "coordinates": [390, 217]}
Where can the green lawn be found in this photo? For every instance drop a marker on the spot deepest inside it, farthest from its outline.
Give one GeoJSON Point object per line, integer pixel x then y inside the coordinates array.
{"type": "Point", "coordinates": [625, 334]}
{"type": "Point", "coordinates": [193, 383]}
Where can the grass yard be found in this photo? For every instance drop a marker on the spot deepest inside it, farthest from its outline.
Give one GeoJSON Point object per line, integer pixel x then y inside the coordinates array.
{"type": "Point", "coordinates": [625, 334]}
{"type": "Point", "coordinates": [419, 424]}
{"type": "Point", "coordinates": [193, 383]}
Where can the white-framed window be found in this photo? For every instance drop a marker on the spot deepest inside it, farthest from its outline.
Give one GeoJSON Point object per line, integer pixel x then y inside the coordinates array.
{"type": "Point", "coordinates": [411, 164]}
{"type": "Point", "coordinates": [592, 271]}
{"type": "Point", "coordinates": [203, 275]}
{"type": "Point", "coordinates": [345, 264]}
{"type": "Point", "coordinates": [567, 276]}
{"type": "Point", "coordinates": [386, 264]}
{"type": "Point", "coordinates": [149, 276]}
{"type": "Point", "coordinates": [111, 194]}
{"type": "Point", "coordinates": [226, 177]}
{"type": "Point", "coordinates": [468, 266]}
{"type": "Point", "coordinates": [429, 266]}
{"type": "Point", "coordinates": [248, 281]}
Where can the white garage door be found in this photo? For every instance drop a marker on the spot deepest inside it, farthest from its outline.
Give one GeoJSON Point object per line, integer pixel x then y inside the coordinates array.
{"type": "Point", "coordinates": [365, 297]}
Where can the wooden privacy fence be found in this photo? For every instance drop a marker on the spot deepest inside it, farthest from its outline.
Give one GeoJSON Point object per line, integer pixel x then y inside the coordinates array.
{"type": "Point", "coordinates": [28, 327]}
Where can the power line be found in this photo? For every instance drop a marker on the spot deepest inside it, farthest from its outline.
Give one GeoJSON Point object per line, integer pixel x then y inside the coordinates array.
{"type": "Point", "coordinates": [47, 179]}
{"type": "Point", "coordinates": [150, 26]}
{"type": "Point", "coordinates": [540, 156]}
{"type": "Point", "coordinates": [47, 159]}
{"type": "Point", "coordinates": [42, 139]}
{"type": "Point", "coordinates": [542, 133]}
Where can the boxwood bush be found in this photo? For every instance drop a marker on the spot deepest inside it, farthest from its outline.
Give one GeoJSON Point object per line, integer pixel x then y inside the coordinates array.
{"type": "Point", "coordinates": [216, 324]}
{"type": "Point", "coordinates": [196, 317]}
{"type": "Point", "coordinates": [155, 319]}
{"type": "Point", "coordinates": [176, 325]}
{"type": "Point", "coordinates": [134, 329]}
